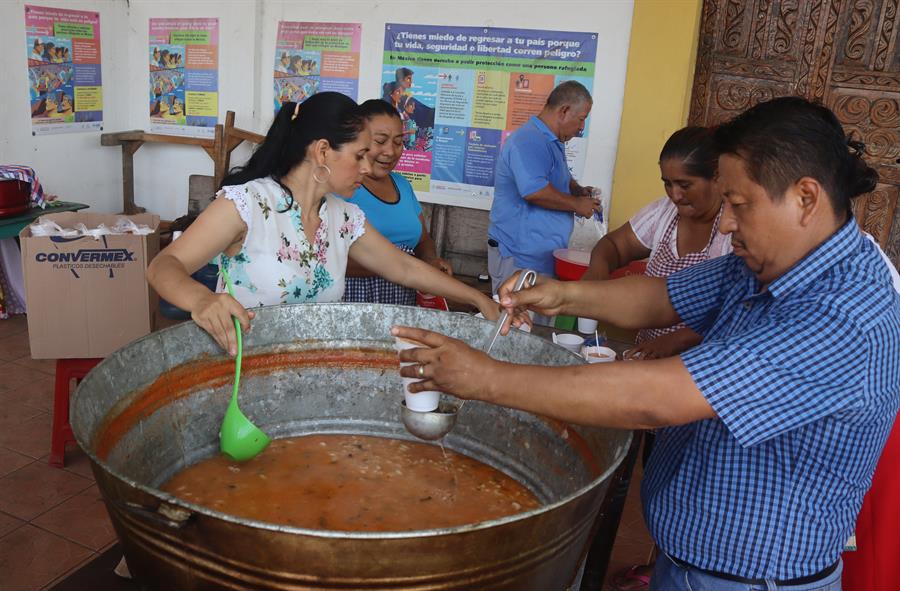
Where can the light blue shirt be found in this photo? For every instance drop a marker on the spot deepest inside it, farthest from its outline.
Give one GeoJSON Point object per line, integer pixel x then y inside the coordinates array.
{"type": "Point", "coordinates": [804, 378]}
{"type": "Point", "coordinates": [531, 158]}
{"type": "Point", "coordinates": [398, 222]}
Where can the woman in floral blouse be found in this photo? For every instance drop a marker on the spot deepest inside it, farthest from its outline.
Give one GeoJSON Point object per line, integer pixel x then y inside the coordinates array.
{"type": "Point", "coordinates": [284, 231]}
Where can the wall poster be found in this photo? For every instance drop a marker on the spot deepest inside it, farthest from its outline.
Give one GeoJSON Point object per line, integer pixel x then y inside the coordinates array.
{"type": "Point", "coordinates": [314, 57]}
{"type": "Point", "coordinates": [461, 91]}
{"type": "Point", "coordinates": [63, 48]}
{"type": "Point", "coordinates": [184, 76]}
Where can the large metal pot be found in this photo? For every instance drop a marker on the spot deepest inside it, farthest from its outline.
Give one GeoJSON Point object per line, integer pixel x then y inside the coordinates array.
{"type": "Point", "coordinates": [155, 407]}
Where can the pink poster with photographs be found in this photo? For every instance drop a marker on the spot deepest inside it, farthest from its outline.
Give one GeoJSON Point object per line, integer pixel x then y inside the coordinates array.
{"type": "Point", "coordinates": [63, 49]}
{"type": "Point", "coordinates": [315, 57]}
{"type": "Point", "coordinates": [184, 76]}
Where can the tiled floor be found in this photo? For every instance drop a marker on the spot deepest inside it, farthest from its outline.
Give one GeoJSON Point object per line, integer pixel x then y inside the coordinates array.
{"type": "Point", "coordinates": [53, 520]}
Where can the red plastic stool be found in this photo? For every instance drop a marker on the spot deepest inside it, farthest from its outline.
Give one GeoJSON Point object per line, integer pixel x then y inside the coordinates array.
{"type": "Point", "coordinates": [66, 371]}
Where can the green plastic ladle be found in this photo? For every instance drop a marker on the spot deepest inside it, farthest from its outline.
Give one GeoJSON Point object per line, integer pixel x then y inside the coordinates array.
{"type": "Point", "coordinates": [239, 438]}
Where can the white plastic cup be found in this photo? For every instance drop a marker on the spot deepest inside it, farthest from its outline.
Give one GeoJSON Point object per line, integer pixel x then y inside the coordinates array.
{"type": "Point", "coordinates": [419, 401]}
{"type": "Point", "coordinates": [586, 325]}
{"type": "Point", "coordinates": [572, 342]}
{"type": "Point", "coordinates": [598, 354]}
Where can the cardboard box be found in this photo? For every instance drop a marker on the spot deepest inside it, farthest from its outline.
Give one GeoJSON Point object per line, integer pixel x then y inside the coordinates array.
{"type": "Point", "coordinates": [88, 297]}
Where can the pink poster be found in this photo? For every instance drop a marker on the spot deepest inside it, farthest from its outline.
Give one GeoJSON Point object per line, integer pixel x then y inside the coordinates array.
{"type": "Point", "coordinates": [63, 48]}
{"type": "Point", "coordinates": [316, 57]}
{"type": "Point", "coordinates": [184, 76]}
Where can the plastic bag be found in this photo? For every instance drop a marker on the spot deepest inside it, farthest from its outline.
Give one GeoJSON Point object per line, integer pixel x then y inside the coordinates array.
{"type": "Point", "coordinates": [434, 302]}
{"type": "Point", "coordinates": [126, 226]}
{"type": "Point", "coordinates": [46, 227]}
{"type": "Point", "coordinates": [586, 232]}
{"type": "Point", "coordinates": [94, 233]}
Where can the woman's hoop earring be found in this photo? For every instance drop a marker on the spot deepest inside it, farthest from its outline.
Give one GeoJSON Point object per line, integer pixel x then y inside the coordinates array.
{"type": "Point", "coordinates": [316, 176]}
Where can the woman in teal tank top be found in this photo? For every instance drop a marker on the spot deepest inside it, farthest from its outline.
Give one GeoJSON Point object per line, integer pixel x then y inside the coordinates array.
{"type": "Point", "coordinates": [391, 207]}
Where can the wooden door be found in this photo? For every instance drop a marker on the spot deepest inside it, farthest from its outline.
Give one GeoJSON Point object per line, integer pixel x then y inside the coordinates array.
{"type": "Point", "coordinates": [844, 53]}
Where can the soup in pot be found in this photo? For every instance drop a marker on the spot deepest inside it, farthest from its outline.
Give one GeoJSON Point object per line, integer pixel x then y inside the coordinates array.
{"type": "Point", "coordinates": [354, 483]}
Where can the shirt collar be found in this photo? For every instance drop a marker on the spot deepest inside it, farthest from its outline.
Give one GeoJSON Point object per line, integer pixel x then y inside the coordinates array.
{"type": "Point", "coordinates": [835, 249]}
{"type": "Point", "coordinates": [542, 127]}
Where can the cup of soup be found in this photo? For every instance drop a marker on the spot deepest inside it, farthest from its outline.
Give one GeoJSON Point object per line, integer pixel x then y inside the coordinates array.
{"type": "Point", "coordinates": [597, 354]}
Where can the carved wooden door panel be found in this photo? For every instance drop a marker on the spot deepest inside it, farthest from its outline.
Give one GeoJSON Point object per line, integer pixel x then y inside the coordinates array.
{"type": "Point", "coordinates": [844, 53]}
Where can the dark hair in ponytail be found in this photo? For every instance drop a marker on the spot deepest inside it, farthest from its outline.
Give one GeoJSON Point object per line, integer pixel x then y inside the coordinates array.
{"type": "Point", "coordinates": [695, 149]}
{"type": "Point", "coordinates": [375, 108]}
{"type": "Point", "coordinates": [788, 138]}
{"type": "Point", "coordinates": [331, 116]}
{"type": "Point", "coordinates": [861, 178]}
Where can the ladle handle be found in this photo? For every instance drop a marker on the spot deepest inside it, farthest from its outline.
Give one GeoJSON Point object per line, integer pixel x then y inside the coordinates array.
{"type": "Point", "coordinates": [237, 331]}
{"type": "Point", "coordinates": [525, 276]}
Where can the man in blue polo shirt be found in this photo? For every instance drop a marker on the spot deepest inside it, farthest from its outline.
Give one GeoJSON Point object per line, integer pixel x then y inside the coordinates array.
{"type": "Point", "coordinates": [534, 193]}
{"type": "Point", "coordinates": [770, 429]}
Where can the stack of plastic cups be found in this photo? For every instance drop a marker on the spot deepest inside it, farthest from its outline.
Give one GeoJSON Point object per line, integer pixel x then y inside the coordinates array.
{"type": "Point", "coordinates": [587, 325]}
{"type": "Point", "coordinates": [420, 401]}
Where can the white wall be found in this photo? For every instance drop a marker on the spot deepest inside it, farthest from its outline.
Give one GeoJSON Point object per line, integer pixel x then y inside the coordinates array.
{"type": "Point", "coordinates": [161, 170]}
{"type": "Point", "coordinates": [78, 169]}
{"type": "Point", "coordinates": [71, 165]}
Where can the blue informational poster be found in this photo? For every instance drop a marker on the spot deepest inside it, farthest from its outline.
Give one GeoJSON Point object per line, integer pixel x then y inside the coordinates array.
{"type": "Point", "coordinates": [462, 90]}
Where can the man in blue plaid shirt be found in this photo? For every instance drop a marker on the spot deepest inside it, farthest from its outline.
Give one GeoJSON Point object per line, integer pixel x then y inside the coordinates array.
{"type": "Point", "coordinates": [771, 428]}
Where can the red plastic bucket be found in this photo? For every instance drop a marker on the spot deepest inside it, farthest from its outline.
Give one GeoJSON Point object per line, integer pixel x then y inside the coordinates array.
{"type": "Point", "coordinates": [15, 197]}
{"type": "Point", "coordinates": [570, 265]}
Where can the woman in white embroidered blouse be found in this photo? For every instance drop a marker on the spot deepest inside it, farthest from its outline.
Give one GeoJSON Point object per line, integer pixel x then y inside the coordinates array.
{"type": "Point", "coordinates": [285, 232]}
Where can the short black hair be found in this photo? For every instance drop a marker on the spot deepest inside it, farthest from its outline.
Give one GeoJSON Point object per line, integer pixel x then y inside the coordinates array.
{"type": "Point", "coordinates": [788, 138]}
{"type": "Point", "coordinates": [695, 148]}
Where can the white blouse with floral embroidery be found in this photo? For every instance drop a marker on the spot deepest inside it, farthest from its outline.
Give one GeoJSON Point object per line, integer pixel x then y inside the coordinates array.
{"type": "Point", "coordinates": [276, 263]}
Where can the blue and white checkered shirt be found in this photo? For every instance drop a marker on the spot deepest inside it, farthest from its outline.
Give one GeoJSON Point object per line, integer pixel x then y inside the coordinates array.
{"type": "Point", "coordinates": [805, 380]}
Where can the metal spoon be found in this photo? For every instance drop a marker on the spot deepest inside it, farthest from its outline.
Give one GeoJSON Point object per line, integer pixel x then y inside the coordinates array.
{"type": "Point", "coordinates": [239, 438]}
{"type": "Point", "coordinates": [434, 425]}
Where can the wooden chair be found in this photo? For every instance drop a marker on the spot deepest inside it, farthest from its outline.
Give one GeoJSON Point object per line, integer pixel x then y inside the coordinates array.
{"type": "Point", "coordinates": [227, 138]}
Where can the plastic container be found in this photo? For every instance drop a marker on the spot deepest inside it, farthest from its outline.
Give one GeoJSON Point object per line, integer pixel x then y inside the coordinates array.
{"type": "Point", "coordinates": [598, 354]}
{"type": "Point", "coordinates": [563, 322]}
{"type": "Point", "coordinates": [570, 265]}
{"type": "Point", "coordinates": [420, 401]}
{"type": "Point", "coordinates": [572, 342]}
{"type": "Point", "coordinates": [15, 197]}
